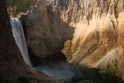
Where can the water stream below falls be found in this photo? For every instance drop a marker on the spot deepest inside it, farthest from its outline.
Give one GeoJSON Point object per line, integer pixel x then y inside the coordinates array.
{"type": "Point", "coordinates": [62, 70]}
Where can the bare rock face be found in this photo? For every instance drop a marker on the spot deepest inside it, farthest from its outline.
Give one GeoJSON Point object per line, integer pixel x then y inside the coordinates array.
{"type": "Point", "coordinates": [98, 33]}
{"type": "Point", "coordinates": [46, 33]}
{"type": "Point", "coordinates": [98, 30]}
{"type": "Point", "coordinates": [12, 66]}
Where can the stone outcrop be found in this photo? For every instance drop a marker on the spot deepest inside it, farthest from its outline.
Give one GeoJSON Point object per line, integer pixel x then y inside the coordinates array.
{"type": "Point", "coordinates": [98, 28]}
{"type": "Point", "coordinates": [12, 66]}
{"type": "Point", "coordinates": [46, 33]}
{"type": "Point", "coordinates": [98, 33]}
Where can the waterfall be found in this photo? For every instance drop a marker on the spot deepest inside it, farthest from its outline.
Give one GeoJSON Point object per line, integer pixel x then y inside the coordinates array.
{"type": "Point", "coordinates": [18, 34]}
{"type": "Point", "coordinates": [59, 70]}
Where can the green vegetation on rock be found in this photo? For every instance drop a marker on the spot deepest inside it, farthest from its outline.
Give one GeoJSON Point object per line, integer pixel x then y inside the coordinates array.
{"type": "Point", "coordinates": [17, 6]}
{"type": "Point", "coordinates": [110, 74]}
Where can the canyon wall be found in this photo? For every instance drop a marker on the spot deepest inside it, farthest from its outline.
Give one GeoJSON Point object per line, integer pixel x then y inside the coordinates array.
{"type": "Point", "coordinates": [12, 66]}
{"type": "Point", "coordinates": [98, 28]}
{"type": "Point", "coordinates": [99, 33]}
{"type": "Point", "coordinates": [46, 33]}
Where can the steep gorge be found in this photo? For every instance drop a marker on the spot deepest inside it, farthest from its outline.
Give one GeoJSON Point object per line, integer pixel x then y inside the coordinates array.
{"type": "Point", "coordinates": [85, 32]}
{"type": "Point", "coordinates": [98, 32]}
{"type": "Point", "coordinates": [46, 33]}
{"type": "Point", "coordinates": [98, 35]}
{"type": "Point", "coordinates": [12, 66]}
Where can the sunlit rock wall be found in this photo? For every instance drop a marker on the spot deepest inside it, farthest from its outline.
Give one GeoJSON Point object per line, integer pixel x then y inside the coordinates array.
{"type": "Point", "coordinates": [98, 30]}
{"type": "Point", "coordinates": [98, 33]}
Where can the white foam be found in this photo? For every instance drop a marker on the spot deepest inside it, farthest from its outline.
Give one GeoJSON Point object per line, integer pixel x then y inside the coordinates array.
{"type": "Point", "coordinates": [18, 34]}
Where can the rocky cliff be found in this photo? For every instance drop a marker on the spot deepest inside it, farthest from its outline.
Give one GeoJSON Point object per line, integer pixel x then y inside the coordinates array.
{"type": "Point", "coordinates": [98, 28]}
{"type": "Point", "coordinates": [46, 33]}
{"type": "Point", "coordinates": [12, 66]}
{"type": "Point", "coordinates": [98, 33]}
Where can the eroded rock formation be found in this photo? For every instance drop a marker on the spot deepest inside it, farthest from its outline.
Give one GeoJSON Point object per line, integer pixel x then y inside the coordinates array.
{"type": "Point", "coordinates": [12, 66]}
{"type": "Point", "coordinates": [98, 33]}
{"type": "Point", "coordinates": [46, 33]}
{"type": "Point", "coordinates": [98, 30]}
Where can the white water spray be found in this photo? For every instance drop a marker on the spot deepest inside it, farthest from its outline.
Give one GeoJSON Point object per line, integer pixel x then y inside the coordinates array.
{"type": "Point", "coordinates": [18, 34]}
{"type": "Point", "coordinates": [59, 71]}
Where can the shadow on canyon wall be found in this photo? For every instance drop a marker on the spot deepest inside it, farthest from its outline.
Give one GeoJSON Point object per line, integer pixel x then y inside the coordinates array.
{"type": "Point", "coordinates": [45, 46]}
{"type": "Point", "coordinates": [12, 66]}
{"type": "Point", "coordinates": [53, 55]}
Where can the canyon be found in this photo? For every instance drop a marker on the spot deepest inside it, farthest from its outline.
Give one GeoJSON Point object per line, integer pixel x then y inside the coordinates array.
{"type": "Point", "coordinates": [12, 66]}
{"type": "Point", "coordinates": [64, 32]}
{"type": "Point", "coordinates": [92, 29]}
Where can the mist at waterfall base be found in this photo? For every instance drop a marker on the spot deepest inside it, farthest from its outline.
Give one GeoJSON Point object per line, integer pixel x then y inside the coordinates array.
{"type": "Point", "coordinates": [61, 70]}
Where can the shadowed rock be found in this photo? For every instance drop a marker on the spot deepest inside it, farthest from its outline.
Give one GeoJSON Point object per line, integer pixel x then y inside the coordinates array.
{"type": "Point", "coordinates": [12, 66]}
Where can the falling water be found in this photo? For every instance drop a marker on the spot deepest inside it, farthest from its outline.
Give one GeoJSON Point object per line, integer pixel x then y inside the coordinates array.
{"type": "Point", "coordinates": [62, 70]}
{"type": "Point", "coordinates": [20, 39]}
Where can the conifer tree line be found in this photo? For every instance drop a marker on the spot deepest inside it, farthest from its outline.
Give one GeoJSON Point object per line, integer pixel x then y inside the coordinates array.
{"type": "Point", "coordinates": [16, 6]}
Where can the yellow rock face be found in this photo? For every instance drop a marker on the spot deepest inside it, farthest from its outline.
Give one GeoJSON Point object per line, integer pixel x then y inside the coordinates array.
{"type": "Point", "coordinates": [98, 24]}
{"type": "Point", "coordinates": [99, 35]}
